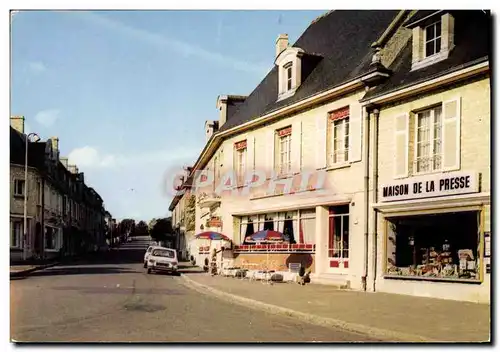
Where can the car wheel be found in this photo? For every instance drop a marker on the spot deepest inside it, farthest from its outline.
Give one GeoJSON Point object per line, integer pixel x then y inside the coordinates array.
{"type": "Point", "coordinates": [145, 265]}
{"type": "Point", "coordinates": [149, 271]}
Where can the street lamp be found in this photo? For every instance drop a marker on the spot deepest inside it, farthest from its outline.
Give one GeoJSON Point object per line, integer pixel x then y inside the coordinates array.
{"type": "Point", "coordinates": [36, 138]}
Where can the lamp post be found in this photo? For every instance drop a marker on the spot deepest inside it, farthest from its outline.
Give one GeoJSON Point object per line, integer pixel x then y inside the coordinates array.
{"type": "Point", "coordinates": [36, 138]}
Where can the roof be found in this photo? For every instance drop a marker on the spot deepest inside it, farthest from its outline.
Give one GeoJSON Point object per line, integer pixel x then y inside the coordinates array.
{"type": "Point", "coordinates": [342, 39]}
{"type": "Point", "coordinates": [471, 47]}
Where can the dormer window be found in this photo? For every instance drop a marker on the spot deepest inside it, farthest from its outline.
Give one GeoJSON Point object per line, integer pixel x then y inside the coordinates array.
{"type": "Point", "coordinates": [432, 39]}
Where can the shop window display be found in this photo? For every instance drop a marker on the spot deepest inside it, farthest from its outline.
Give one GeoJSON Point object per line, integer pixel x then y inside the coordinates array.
{"type": "Point", "coordinates": [438, 246]}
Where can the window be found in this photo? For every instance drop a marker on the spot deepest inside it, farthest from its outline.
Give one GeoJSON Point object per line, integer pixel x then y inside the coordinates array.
{"type": "Point", "coordinates": [284, 141]}
{"type": "Point", "coordinates": [298, 226]}
{"type": "Point", "coordinates": [16, 233]}
{"type": "Point", "coordinates": [338, 141]}
{"type": "Point", "coordinates": [51, 238]}
{"type": "Point", "coordinates": [433, 39]}
{"type": "Point", "coordinates": [434, 246]}
{"type": "Point", "coordinates": [288, 70]}
{"type": "Point", "coordinates": [19, 186]}
{"type": "Point", "coordinates": [428, 140]}
{"type": "Point", "coordinates": [240, 161]}
{"type": "Point", "coordinates": [338, 232]}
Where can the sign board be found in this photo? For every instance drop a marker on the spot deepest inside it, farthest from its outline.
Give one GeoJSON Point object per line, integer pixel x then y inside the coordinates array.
{"type": "Point", "coordinates": [427, 186]}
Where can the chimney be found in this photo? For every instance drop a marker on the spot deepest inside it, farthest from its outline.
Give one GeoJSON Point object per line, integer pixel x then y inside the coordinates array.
{"type": "Point", "coordinates": [210, 128]}
{"type": "Point", "coordinates": [222, 106]}
{"type": "Point", "coordinates": [17, 123]}
{"type": "Point", "coordinates": [64, 161]}
{"type": "Point", "coordinates": [73, 169]}
{"type": "Point", "coordinates": [281, 43]}
{"type": "Point", "coordinates": [55, 143]}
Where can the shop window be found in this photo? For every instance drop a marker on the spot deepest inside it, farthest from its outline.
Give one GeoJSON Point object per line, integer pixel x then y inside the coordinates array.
{"type": "Point", "coordinates": [437, 246]}
{"type": "Point", "coordinates": [297, 226]}
{"type": "Point", "coordinates": [338, 232]}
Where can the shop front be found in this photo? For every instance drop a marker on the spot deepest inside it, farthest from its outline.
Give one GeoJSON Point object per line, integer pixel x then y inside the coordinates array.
{"type": "Point", "coordinates": [433, 231]}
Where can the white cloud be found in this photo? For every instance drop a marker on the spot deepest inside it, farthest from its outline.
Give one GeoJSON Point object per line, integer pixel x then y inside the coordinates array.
{"type": "Point", "coordinates": [91, 157]}
{"type": "Point", "coordinates": [165, 43]}
{"type": "Point", "coordinates": [47, 117]}
{"type": "Point", "coordinates": [37, 66]}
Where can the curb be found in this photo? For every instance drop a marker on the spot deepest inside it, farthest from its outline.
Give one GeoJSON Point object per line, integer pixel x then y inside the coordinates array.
{"type": "Point", "coordinates": [382, 334]}
{"type": "Point", "coordinates": [29, 271]}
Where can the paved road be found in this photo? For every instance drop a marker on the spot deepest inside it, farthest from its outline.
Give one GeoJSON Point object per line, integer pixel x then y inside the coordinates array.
{"type": "Point", "coordinates": [112, 299]}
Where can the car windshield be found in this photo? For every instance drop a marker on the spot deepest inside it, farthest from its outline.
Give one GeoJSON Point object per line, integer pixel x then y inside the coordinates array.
{"type": "Point", "coordinates": [164, 253]}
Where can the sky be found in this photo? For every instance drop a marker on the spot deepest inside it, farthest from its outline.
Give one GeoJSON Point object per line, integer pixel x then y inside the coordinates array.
{"type": "Point", "coordinates": [128, 92]}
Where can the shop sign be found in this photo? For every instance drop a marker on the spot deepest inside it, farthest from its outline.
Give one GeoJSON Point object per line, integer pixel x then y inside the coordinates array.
{"type": "Point", "coordinates": [214, 222]}
{"type": "Point", "coordinates": [437, 185]}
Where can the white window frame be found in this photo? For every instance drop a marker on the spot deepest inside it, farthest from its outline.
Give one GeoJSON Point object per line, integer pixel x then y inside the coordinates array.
{"type": "Point", "coordinates": [288, 77]}
{"type": "Point", "coordinates": [432, 153]}
{"type": "Point", "coordinates": [333, 153]}
{"type": "Point", "coordinates": [18, 236]}
{"type": "Point", "coordinates": [284, 167]}
{"type": "Point", "coordinates": [16, 185]}
{"type": "Point", "coordinates": [341, 249]}
{"type": "Point", "coordinates": [437, 38]}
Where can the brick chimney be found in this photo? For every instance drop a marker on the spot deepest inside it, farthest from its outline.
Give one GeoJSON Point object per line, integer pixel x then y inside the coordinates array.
{"type": "Point", "coordinates": [281, 43]}
{"type": "Point", "coordinates": [73, 169]}
{"type": "Point", "coordinates": [222, 106]}
{"type": "Point", "coordinates": [17, 123]}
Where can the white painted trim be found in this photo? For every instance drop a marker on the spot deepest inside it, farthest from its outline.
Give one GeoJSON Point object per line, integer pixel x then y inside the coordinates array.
{"type": "Point", "coordinates": [20, 216]}
{"type": "Point", "coordinates": [301, 201]}
{"type": "Point", "coordinates": [383, 98]}
{"type": "Point", "coordinates": [466, 200]}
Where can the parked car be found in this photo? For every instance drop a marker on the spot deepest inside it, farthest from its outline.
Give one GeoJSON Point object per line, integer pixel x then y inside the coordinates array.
{"type": "Point", "coordinates": [148, 253]}
{"type": "Point", "coordinates": [162, 260]}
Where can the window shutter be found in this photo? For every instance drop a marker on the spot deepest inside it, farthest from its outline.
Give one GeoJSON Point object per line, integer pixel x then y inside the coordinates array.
{"type": "Point", "coordinates": [321, 141]}
{"type": "Point", "coordinates": [270, 153]}
{"type": "Point", "coordinates": [250, 162]}
{"type": "Point", "coordinates": [296, 147]}
{"type": "Point", "coordinates": [451, 135]}
{"type": "Point", "coordinates": [402, 133]}
{"type": "Point", "coordinates": [355, 132]}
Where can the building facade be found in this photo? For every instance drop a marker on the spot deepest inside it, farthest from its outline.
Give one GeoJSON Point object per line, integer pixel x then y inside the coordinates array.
{"type": "Point", "coordinates": [64, 215]}
{"type": "Point", "coordinates": [367, 146]}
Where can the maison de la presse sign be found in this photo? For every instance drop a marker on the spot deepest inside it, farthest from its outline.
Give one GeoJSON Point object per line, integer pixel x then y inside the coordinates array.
{"type": "Point", "coordinates": [428, 186]}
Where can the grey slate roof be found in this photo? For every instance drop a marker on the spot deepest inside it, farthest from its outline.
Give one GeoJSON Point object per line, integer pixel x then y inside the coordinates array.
{"type": "Point", "coordinates": [471, 47]}
{"type": "Point", "coordinates": [342, 39]}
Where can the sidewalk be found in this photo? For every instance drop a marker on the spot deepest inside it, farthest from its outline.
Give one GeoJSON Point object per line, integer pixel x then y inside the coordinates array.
{"type": "Point", "coordinates": [389, 317]}
{"type": "Point", "coordinates": [22, 270]}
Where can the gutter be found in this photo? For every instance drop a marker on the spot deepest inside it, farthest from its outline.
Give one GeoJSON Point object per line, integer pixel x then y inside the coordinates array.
{"type": "Point", "coordinates": [469, 69]}
{"type": "Point", "coordinates": [376, 114]}
{"type": "Point", "coordinates": [366, 143]}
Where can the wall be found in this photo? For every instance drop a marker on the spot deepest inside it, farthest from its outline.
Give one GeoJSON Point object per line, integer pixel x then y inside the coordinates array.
{"type": "Point", "coordinates": [16, 202]}
{"type": "Point", "coordinates": [475, 156]}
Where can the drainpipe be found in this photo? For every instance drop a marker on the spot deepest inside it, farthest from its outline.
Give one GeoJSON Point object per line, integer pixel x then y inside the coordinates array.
{"type": "Point", "coordinates": [376, 113]}
{"type": "Point", "coordinates": [366, 143]}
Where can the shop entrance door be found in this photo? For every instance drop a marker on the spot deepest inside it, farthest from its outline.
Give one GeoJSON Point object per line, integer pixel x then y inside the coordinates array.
{"type": "Point", "coordinates": [338, 239]}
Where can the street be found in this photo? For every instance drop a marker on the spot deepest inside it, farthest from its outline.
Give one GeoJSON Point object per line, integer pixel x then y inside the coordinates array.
{"type": "Point", "coordinates": [111, 299]}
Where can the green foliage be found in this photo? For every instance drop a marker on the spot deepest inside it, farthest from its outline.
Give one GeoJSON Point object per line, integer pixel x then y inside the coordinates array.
{"type": "Point", "coordinates": [160, 229]}
{"type": "Point", "coordinates": [141, 229]}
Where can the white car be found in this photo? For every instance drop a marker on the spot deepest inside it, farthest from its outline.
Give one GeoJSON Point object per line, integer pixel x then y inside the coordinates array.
{"type": "Point", "coordinates": [148, 253]}
{"type": "Point", "coordinates": [162, 259]}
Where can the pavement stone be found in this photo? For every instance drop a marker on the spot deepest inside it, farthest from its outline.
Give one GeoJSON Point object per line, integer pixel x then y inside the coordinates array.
{"type": "Point", "coordinates": [412, 318]}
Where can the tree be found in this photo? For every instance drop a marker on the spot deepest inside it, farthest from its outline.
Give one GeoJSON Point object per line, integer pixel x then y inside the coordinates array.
{"type": "Point", "coordinates": [190, 211]}
{"type": "Point", "coordinates": [141, 229]}
{"type": "Point", "coordinates": [160, 229]}
{"type": "Point", "coordinates": [127, 225]}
